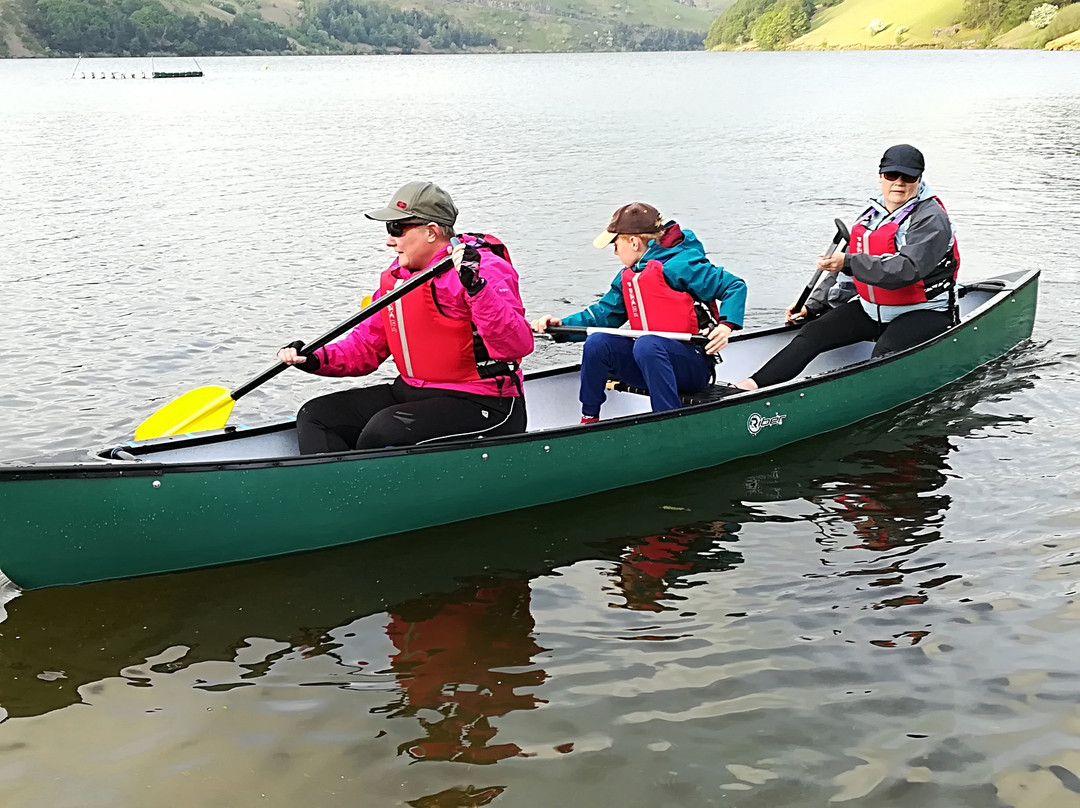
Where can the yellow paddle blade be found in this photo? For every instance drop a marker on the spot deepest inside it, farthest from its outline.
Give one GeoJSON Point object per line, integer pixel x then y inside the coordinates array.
{"type": "Point", "coordinates": [198, 410]}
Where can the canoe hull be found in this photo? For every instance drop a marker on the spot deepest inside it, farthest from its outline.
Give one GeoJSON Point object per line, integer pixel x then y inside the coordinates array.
{"type": "Point", "coordinates": [88, 526]}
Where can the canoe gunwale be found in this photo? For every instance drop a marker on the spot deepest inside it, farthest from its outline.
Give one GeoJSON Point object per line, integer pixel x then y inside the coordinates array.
{"type": "Point", "coordinates": [104, 467]}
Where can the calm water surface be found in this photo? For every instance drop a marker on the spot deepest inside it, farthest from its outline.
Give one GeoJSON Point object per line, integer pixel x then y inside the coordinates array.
{"type": "Point", "coordinates": [885, 616]}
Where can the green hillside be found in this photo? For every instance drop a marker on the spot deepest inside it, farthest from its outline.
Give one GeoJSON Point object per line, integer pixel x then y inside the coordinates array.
{"type": "Point", "coordinates": [568, 25]}
{"type": "Point", "coordinates": [195, 27]}
{"type": "Point", "coordinates": [880, 24]}
{"type": "Point", "coordinates": [910, 23]}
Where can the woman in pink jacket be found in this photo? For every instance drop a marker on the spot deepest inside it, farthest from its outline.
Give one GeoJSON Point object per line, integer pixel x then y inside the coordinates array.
{"type": "Point", "coordinates": [457, 342]}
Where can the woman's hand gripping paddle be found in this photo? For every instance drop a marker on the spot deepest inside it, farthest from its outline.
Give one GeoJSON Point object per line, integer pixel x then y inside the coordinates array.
{"type": "Point", "coordinates": [209, 407]}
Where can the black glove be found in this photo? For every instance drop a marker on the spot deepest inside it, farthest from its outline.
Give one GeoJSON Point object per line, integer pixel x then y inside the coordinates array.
{"type": "Point", "coordinates": [469, 271]}
{"type": "Point", "coordinates": [311, 361]}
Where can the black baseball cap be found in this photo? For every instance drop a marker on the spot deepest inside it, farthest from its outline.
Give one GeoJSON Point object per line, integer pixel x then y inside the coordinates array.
{"type": "Point", "coordinates": [903, 158]}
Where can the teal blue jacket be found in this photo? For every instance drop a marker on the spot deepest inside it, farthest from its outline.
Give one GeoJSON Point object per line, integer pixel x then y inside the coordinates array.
{"type": "Point", "coordinates": [686, 269]}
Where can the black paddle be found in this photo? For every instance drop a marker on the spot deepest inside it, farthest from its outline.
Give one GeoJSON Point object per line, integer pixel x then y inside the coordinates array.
{"type": "Point", "coordinates": [842, 235]}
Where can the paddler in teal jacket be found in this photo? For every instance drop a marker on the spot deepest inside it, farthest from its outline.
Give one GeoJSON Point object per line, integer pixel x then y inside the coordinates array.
{"type": "Point", "coordinates": [666, 284]}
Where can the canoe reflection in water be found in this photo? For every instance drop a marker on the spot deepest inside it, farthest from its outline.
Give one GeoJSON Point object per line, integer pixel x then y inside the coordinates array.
{"type": "Point", "coordinates": [892, 513]}
{"type": "Point", "coordinates": [451, 655]}
{"type": "Point", "coordinates": [880, 507]}
{"type": "Point", "coordinates": [459, 797]}
{"type": "Point", "coordinates": [649, 568]}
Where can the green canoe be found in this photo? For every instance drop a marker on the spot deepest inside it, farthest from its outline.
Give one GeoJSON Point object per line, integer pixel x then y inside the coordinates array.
{"type": "Point", "coordinates": [226, 496]}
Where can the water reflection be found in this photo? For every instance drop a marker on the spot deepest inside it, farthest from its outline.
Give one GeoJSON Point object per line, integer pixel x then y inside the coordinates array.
{"type": "Point", "coordinates": [460, 797]}
{"type": "Point", "coordinates": [451, 659]}
{"type": "Point", "coordinates": [652, 566]}
{"type": "Point", "coordinates": [892, 511]}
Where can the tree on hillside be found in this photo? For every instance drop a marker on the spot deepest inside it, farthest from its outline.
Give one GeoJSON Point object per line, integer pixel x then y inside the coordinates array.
{"type": "Point", "coordinates": [784, 22]}
{"type": "Point", "coordinates": [381, 26]}
{"type": "Point", "coordinates": [1001, 15]}
{"type": "Point", "coordinates": [733, 25]}
{"type": "Point", "coordinates": [72, 27]}
{"type": "Point", "coordinates": [138, 27]}
{"type": "Point", "coordinates": [152, 23]}
{"type": "Point", "coordinates": [978, 13]}
{"type": "Point", "coordinates": [1042, 15]}
{"type": "Point", "coordinates": [650, 38]}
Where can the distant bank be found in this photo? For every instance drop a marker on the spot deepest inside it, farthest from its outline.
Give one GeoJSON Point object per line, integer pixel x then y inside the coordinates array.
{"type": "Point", "coordinates": [133, 28]}
{"type": "Point", "coordinates": [188, 28]}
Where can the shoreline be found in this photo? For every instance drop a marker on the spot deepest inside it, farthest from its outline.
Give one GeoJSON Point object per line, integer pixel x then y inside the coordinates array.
{"type": "Point", "coordinates": [1065, 44]}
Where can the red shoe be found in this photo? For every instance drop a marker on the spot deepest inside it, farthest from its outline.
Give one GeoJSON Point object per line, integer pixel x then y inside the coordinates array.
{"type": "Point", "coordinates": [590, 419]}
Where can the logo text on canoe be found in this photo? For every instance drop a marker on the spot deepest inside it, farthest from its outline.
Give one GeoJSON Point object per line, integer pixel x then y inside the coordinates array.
{"type": "Point", "coordinates": [757, 422]}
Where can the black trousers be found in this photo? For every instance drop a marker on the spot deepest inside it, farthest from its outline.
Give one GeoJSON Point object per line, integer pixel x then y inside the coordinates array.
{"type": "Point", "coordinates": [399, 414]}
{"type": "Point", "coordinates": [845, 325]}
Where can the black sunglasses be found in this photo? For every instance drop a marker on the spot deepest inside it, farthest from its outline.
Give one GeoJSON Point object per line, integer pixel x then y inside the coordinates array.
{"type": "Point", "coordinates": [893, 176]}
{"type": "Point", "coordinates": [397, 229]}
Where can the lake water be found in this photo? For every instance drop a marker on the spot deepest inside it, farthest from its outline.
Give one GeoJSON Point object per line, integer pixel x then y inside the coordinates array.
{"type": "Point", "coordinates": [880, 617]}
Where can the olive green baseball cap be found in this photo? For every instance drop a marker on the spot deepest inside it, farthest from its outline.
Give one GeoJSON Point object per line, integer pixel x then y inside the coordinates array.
{"type": "Point", "coordinates": [418, 200]}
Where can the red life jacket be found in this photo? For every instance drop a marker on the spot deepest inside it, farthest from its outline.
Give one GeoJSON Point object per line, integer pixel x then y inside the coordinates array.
{"type": "Point", "coordinates": [429, 345]}
{"type": "Point", "coordinates": [882, 241]}
{"type": "Point", "coordinates": [652, 305]}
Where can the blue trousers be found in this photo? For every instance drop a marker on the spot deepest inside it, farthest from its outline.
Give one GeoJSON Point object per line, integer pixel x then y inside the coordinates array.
{"type": "Point", "coordinates": [665, 366]}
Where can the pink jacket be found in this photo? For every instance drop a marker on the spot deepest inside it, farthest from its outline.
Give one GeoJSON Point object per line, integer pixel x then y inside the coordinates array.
{"type": "Point", "coordinates": [496, 311]}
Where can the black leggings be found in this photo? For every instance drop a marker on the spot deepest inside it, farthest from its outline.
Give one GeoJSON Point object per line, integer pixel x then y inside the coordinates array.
{"type": "Point", "coordinates": [846, 325]}
{"type": "Point", "coordinates": [399, 414]}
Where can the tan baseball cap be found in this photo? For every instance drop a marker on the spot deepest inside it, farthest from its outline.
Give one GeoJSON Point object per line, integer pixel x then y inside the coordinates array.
{"type": "Point", "coordinates": [418, 200]}
{"type": "Point", "coordinates": [637, 217]}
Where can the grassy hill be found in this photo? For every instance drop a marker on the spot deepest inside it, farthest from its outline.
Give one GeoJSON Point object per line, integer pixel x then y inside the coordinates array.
{"type": "Point", "coordinates": [890, 24]}
{"type": "Point", "coordinates": [513, 25]}
{"type": "Point", "coordinates": [1067, 42]}
{"type": "Point", "coordinates": [904, 23]}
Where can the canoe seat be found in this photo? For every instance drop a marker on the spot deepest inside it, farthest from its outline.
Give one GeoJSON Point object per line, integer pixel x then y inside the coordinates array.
{"type": "Point", "coordinates": [710, 393]}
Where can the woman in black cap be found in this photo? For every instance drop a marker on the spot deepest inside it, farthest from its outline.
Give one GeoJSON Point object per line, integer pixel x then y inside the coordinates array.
{"type": "Point", "coordinates": [903, 261]}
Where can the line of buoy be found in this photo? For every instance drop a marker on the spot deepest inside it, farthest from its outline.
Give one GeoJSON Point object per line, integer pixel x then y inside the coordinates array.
{"type": "Point", "coordinates": [94, 75]}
